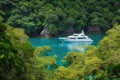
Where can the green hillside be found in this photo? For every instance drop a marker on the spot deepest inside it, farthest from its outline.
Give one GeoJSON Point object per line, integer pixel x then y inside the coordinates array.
{"type": "Point", "coordinates": [60, 16]}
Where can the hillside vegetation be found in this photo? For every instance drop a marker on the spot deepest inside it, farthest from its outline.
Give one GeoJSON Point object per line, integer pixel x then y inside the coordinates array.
{"type": "Point", "coordinates": [19, 60]}
{"type": "Point", "coordinates": [60, 16]}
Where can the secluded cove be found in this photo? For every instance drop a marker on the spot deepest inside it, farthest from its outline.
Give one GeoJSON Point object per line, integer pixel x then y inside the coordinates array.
{"type": "Point", "coordinates": [61, 49]}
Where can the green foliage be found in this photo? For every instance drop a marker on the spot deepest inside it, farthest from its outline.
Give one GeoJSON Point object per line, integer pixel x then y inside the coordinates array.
{"type": "Point", "coordinates": [20, 60]}
{"type": "Point", "coordinates": [35, 15]}
{"type": "Point", "coordinates": [13, 56]}
{"type": "Point", "coordinates": [42, 51]}
{"type": "Point", "coordinates": [72, 57]}
{"type": "Point", "coordinates": [52, 29]}
{"type": "Point", "coordinates": [1, 18]}
{"type": "Point", "coordinates": [63, 73]}
{"type": "Point", "coordinates": [108, 51]}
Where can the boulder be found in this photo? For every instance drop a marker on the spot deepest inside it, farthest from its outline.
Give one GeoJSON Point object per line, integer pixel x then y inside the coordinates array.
{"type": "Point", "coordinates": [94, 30]}
{"type": "Point", "coordinates": [45, 33]}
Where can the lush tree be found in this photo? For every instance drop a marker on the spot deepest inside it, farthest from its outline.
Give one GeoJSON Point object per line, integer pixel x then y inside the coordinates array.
{"type": "Point", "coordinates": [20, 60]}
{"type": "Point", "coordinates": [108, 50]}
{"type": "Point", "coordinates": [13, 56]}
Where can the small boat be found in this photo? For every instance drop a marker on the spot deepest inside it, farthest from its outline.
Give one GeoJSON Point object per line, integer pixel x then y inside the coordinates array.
{"type": "Point", "coordinates": [76, 38]}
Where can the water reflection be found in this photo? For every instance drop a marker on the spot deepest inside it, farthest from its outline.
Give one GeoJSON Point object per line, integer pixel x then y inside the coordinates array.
{"type": "Point", "coordinates": [80, 47]}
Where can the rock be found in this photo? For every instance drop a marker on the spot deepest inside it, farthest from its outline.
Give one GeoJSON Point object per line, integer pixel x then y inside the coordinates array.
{"type": "Point", "coordinates": [45, 33]}
{"type": "Point", "coordinates": [94, 30]}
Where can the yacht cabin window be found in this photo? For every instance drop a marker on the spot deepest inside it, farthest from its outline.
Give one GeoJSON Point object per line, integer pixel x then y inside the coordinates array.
{"type": "Point", "coordinates": [72, 38]}
{"type": "Point", "coordinates": [81, 37]}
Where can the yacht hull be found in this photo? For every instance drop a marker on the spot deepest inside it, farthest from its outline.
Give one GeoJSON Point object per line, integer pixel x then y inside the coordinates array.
{"type": "Point", "coordinates": [74, 40]}
{"type": "Point", "coordinates": [69, 40]}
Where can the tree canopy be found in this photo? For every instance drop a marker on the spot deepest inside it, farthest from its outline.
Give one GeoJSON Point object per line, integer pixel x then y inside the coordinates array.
{"type": "Point", "coordinates": [59, 16]}
{"type": "Point", "coordinates": [20, 60]}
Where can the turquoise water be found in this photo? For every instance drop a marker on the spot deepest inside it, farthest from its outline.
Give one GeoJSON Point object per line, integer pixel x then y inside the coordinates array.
{"type": "Point", "coordinates": [61, 49]}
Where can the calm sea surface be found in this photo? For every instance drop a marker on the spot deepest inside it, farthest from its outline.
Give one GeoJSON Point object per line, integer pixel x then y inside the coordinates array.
{"type": "Point", "coordinates": [61, 49]}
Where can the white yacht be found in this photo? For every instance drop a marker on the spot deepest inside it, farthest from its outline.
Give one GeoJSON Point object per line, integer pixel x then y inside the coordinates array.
{"type": "Point", "coordinates": [76, 38]}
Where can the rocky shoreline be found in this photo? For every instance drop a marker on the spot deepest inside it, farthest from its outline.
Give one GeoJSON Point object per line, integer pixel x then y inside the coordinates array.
{"type": "Point", "coordinates": [46, 34]}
